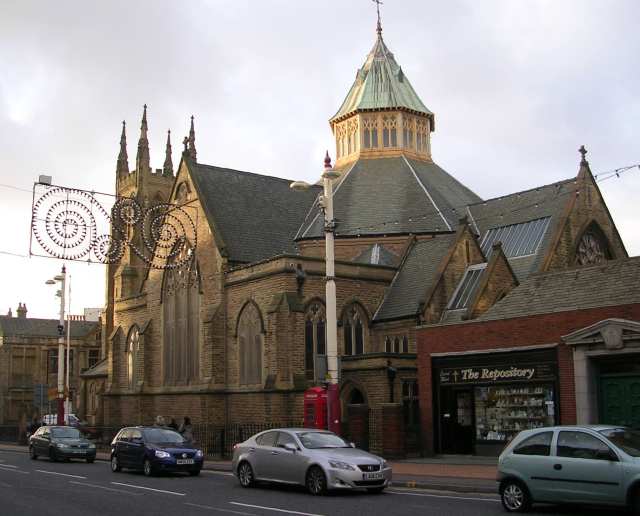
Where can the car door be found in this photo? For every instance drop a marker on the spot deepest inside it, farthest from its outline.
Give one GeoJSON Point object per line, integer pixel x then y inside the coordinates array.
{"type": "Point", "coordinates": [586, 469]}
{"type": "Point", "coordinates": [531, 459]}
{"type": "Point", "coordinates": [287, 465]}
{"type": "Point", "coordinates": [122, 447]}
{"type": "Point", "coordinates": [136, 448]}
{"type": "Point", "coordinates": [263, 454]}
{"type": "Point", "coordinates": [39, 442]}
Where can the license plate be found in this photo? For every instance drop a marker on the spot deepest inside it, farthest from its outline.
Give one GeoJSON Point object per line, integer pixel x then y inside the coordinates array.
{"type": "Point", "coordinates": [184, 461]}
{"type": "Point", "coordinates": [373, 476]}
{"type": "Point", "coordinates": [78, 451]}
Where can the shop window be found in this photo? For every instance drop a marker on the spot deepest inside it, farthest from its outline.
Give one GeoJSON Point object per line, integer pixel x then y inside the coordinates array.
{"type": "Point", "coordinates": [502, 412]}
{"type": "Point", "coordinates": [580, 445]}
{"type": "Point", "coordinates": [539, 444]}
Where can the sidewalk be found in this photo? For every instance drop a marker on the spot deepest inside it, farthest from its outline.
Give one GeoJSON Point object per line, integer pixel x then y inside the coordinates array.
{"type": "Point", "coordinates": [447, 473]}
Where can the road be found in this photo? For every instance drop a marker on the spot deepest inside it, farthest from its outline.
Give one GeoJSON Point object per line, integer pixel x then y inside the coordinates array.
{"type": "Point", "coordinates": [43, 488]}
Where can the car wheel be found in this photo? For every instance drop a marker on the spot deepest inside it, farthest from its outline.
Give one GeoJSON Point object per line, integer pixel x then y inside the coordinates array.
{"type": "Point", "coordinates": [90, 460]}
{"type": "Point", "coordinates": [245, 474]}
{"type": "Point", "coordinates": [32, 453]}
{"type": "Point", "coordinates": [316, 481]}
{"type": "Point", "coordinates": [115, 464]}
{"type": "Point", "coordinates": [635, 502]}
{"type": "Point", "coordinates": [147, 468]}
{"type": "Point", "coordinates": [194, 473]}
{"type": "Point", "coordinates": [515, 497]}
{"type": "Point", "coordinates": [52, 455]}
{"type": "Point", "coordinates": [375, 490]}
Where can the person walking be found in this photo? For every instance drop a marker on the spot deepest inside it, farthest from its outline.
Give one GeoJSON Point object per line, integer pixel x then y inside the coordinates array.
{"type": "Point", "coordinates": [173, 425]}
{"type": "Point", "coordinates": [186, 429]}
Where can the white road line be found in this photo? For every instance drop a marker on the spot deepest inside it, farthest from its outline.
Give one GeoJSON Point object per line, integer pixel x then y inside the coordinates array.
{"type": "Point", "coordinates": [61, 474]}
{"type": "Point", "coordinates": [148, 489]}
{"type": "Point", "coordinates": [8, 466]}
{"type": "Point", "coordinates": [210, 472]}
{"type": "Point", "coordinates": [13, 469]}
{"type": "Point", "coordinates": [219, 509]}
{"type": "Point", "coordinates": [274, 509]}
{"type": "Point", "coordinates": [105, 488]}
{"type": "Point", "coordinates": [444, 496]}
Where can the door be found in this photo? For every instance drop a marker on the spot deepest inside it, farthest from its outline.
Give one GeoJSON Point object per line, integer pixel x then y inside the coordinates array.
{"type": "Point", "coordinates": [41, 441]}
{"type": "Point", "coordinates": [122, 448]}
{"type": "Point", "coordinates": [456, 420]}
{"type": "Point", "coordinates": [264, 453]}
{"type": "Point", "coordinates": [585, 469]}
{"type": "Point", "coordinates": [532, 459]}
{"type": "Point", "coordinates": [287, 465]}
{"type": "Point", "coordinates": [620, 400]}
{"type": "Point", "coordinates": [135, 448]}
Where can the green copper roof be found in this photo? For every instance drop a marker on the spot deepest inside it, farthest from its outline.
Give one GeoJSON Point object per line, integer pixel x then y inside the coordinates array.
{"type": "Point", "coordinates": [381, 84]}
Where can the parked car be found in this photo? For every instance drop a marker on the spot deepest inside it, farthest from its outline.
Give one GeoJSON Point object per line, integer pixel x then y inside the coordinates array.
{"type": "Point", "coordinates": [598, 465]}
{"type": "Point", "coordinates": [317, 459]}
{"type": "Point", "coordinates": [61, 442]}
{"type": "Point", "coordinates": [154, 449]}
{"type": "Point", "coordinates": [69, 419]}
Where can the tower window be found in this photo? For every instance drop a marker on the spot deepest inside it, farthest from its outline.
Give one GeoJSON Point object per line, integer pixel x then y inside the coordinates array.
{"type": "Point", "coordinates": [389, 132]}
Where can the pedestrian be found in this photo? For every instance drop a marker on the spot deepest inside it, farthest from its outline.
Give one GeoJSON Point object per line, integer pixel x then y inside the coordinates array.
{"type": "Point", "coordinates": [160, 421]}
{"type": "Point", "coordinates": [173, 425]}
{"type": "Point", "coordinates": [186, 429]}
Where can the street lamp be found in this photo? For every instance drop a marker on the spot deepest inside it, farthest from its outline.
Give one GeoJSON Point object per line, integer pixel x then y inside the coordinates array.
{"type": "Point", "coordinates": [326, 204]}
{"type": "Point", "coordinates": [61, 278]}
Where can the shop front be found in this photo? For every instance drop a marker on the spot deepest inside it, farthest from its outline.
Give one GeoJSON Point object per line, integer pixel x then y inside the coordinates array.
{"type": "Point", "coordinates": [484, 399]}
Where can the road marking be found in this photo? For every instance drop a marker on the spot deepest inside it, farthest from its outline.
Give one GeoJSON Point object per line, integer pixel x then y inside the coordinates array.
{"type": "Point", "coordinates": [444, 496]}
{"type": "Point", "coordinates": [274, 509]}
{"type": "Point", "coordinates": [4, 468]}
{"type": "Point", "coordinates": [219, 509]}
{"type": "Point", "coordinates": [148, 489]}
{"type": "Point", "coordinates": [210, 472]}
{"type": "Point", "coordinates": [105, 488]}
{"type": "Point", "coordinates": [61, 474]}
{"type": "Point", "coordinates": [8, 466]}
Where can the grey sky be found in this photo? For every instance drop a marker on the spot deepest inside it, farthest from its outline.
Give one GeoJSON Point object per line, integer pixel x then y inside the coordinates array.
{"type": "Point", "coordinates": [516, 88]}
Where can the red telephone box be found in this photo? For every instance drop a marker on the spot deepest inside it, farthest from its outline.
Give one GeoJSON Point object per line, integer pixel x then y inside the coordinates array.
{"type": "Point", "coordinates": [317, 400]}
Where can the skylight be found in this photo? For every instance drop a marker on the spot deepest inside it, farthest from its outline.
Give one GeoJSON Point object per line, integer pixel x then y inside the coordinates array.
{"type": "Point", "coordinates": [467, 287]}
{"type": "Point", "coordinates": [517, 239]}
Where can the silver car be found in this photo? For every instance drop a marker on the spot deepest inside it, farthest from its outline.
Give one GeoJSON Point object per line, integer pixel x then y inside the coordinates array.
{"type": "Point", "coordinates": [317, 459]}
{"type": "Point", "coordinates": [595, 465]}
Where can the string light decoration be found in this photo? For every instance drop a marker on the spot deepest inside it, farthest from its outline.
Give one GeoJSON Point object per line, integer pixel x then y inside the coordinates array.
{"type": "Point", "coordinates": [77, 225]}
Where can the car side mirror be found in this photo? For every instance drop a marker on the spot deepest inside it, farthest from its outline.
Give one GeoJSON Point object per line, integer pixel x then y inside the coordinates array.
{"type": "Point", "coordinates": [353, 445]}
{"type": "Point", "coordinates": [291, 447]}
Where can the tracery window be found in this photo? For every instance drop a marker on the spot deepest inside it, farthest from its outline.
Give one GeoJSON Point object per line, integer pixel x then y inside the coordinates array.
{"type": "Point", "coordinates": [592, 248]}
{"type": "Point", "coordinates": [315, 342]}
{"type": "Point", "coordinates": [181, 320]}
{"type": "Point", "coordinates": [407, 133]}
{"type": "Point", "coordinates": [353, 331]}
{"type": "Point", "coordinates": [341, 138]}
{"type": "Point", "coordinates": [133, 345]}
{"type": "Point", "coordinates": [182, 193]}
{"type": "Point", "coordinates": [421, 136]}
{"type": "Point", "coordinates": [250, 345]}
{"type": "Point", "coordinates": [389, 132]}
{"type": "Point", "coordinates": [370, 133]}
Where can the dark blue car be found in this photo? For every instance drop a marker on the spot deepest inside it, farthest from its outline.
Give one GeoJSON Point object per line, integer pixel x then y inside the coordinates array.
{"type": "Point", "coordinates": [154, 449]}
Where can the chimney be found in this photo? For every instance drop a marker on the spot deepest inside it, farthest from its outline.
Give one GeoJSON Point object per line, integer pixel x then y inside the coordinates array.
{"type": "Point", "coordinates": [22, 310]}
{"type": "Point", "coordinates": [9, 313]}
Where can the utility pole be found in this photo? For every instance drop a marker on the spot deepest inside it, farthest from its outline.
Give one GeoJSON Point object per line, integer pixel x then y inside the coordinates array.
{"type": "Point", "coordinates": [67, 409]}
{"type": "Point", "coordinates": [62, 279]}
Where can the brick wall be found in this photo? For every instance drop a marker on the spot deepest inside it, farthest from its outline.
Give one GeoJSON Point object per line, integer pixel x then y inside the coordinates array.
{"type": "Point", "coordinates": [509, 333]}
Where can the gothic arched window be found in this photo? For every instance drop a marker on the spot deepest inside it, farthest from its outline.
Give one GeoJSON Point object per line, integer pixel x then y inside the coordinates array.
{"type": "Point", "coordinates": [181, 320]}
{"type": "Point", "coordinates": [353, 328]}
{"type": "Point", "coordinates": [315, 342]}
{"type": "Point", "coordinates": [389, 133]}
{"type": "Point", "coordinates": [593, 247]}
{"type": "Point", "coordinates": [388, 346]}
{"type": "Point", "coordinates": [133, 345]}
{"type": "Point", "coordinates": [405, 345]}
{"type": "Point", "coordinates": [250, 345]}
{"type": "Point", "coordinates": [182, 193]}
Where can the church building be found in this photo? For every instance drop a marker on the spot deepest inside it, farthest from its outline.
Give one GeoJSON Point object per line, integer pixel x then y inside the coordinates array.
{"type": "Point", "coordinates": [233, 338]}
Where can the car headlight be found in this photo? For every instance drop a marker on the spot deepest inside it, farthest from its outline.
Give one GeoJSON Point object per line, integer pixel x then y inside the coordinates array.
{"type": "Point", "coordinates": [199, 453]}
{"type": "Point", "coordinates": [162, 454]}
{"type": "Point", "coordinates": [384, 464]}
{"type": "Point", "coordinates": [91, 445]}
{"type": "Point", "coordinates": [62, 445]}
{"type": "Point", "coordinates": [341, 465]}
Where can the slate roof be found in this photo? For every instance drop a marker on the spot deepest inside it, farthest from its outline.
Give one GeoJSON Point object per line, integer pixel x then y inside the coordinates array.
{"type": "Point", "coordinates": [100, 369]}
{"type": "Point", "coordinates": [414, 279]}
{"type": "Point", "coordinates": [257, 216]}
{"type": "Point", "coordinates": [394, 195]}
{"type": "Point", "coordinates": [381, 84]}
{"type": "Point", "coordinates": [616, 282]}
{"type": "Point", "coordinates": [544, 201]}
{"type": "Point", "coordinates": [31, 327]}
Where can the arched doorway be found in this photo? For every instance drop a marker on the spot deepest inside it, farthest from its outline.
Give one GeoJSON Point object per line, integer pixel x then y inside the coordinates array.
{"type": "Point", "coordinates": [355, 415]}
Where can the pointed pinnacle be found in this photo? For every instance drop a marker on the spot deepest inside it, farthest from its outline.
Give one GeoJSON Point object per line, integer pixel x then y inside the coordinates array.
{"type": "Point", "coordinates": [327, 160]}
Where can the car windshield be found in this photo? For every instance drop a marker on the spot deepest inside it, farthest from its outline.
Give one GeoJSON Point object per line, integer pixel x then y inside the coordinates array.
{"type": "Point", "coordinates": [315, 440]}
{"type": "Point", "coordinates": [624, 438]}
{"type": "Point", "coordinates": [65, 433]}
{"type": "Point", "coordinates": [162, 436]}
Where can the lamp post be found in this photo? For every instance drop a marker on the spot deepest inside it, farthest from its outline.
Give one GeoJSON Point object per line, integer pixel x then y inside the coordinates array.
{"type": "Point", "coordinates": [326, 203]}
{"type": "Point", "coordinates": [61, 278]}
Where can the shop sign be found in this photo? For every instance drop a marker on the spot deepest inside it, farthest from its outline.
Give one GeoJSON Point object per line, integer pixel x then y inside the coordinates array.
{"type": "Point", "coordinates": [496, 374]}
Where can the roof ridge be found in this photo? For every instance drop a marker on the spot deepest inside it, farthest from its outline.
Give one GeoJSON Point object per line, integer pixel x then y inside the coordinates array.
{"type": "Point", "coordinates": [579, 268]}
{"type": "Point", "coordinates": [561, 182]}
{"type": "Point", "coordinates": [244, 172]}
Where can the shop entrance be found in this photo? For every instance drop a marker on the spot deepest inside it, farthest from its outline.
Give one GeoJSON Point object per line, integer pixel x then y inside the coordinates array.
{"type": "Point", "coordinates": [620, 400]}
{"type": "Point", "coordinates": [457, 421]}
